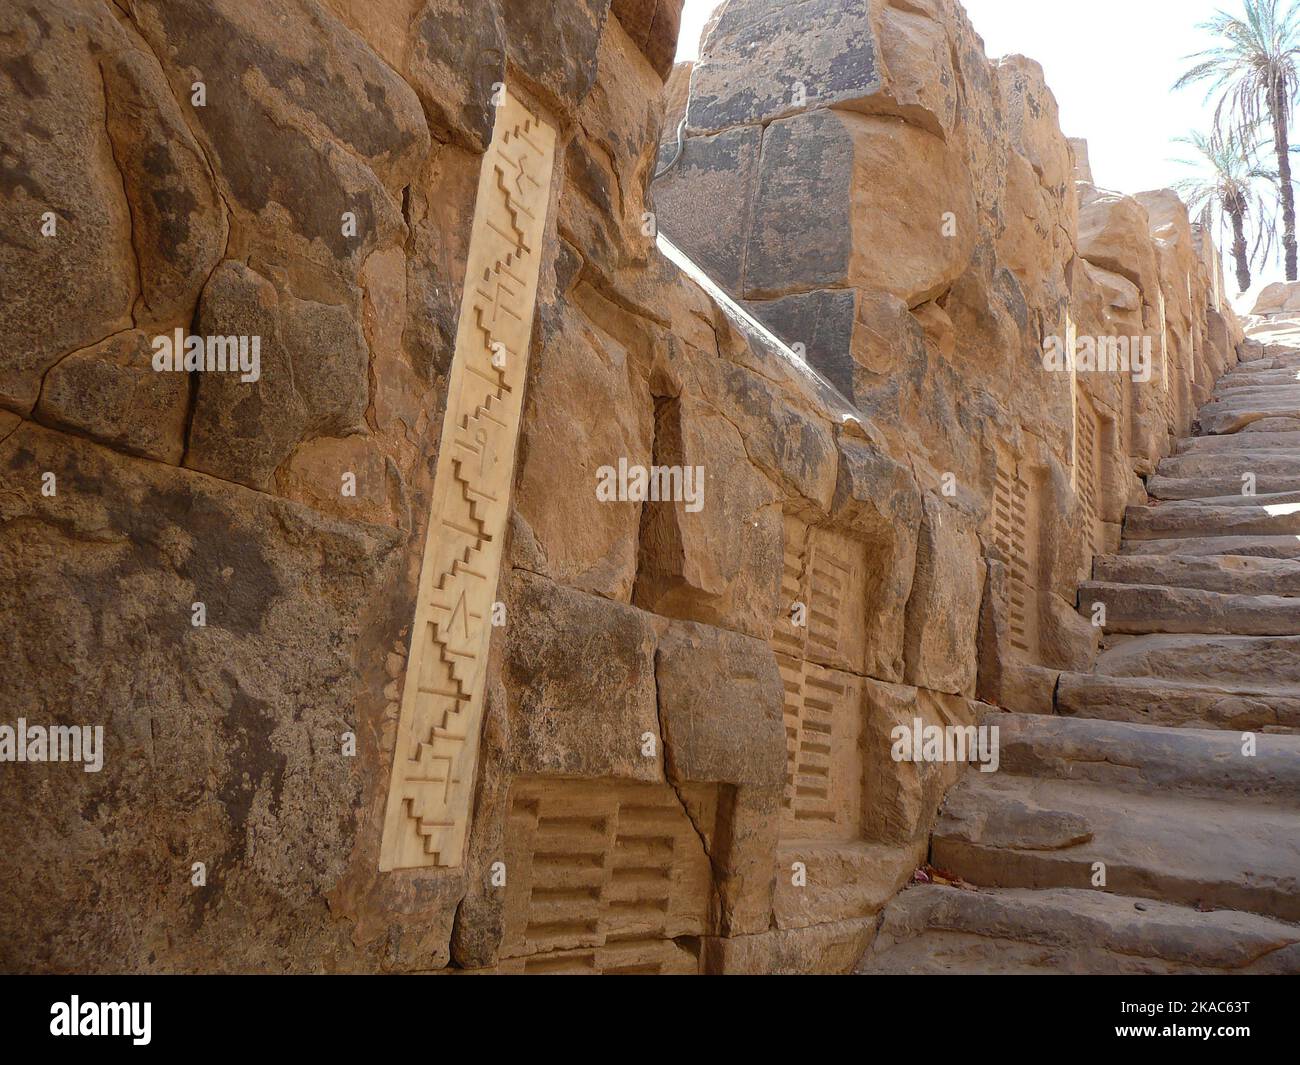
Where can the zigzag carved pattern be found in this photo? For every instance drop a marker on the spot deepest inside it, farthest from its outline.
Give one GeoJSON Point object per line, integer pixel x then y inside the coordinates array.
{"type": "Point", "coordinates": [440, 715]}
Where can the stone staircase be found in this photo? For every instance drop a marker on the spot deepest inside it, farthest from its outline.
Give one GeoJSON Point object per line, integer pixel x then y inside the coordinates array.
{"type": "Point", "coordinates": [1140, 770]}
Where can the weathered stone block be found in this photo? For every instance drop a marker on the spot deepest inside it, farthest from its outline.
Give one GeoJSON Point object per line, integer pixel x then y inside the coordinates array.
{"type": "Point", "coordinates": [1114, 235]}
{"type": "Point", "coordinates": [714, 686]}
{"type": "Point", "coordinates": [783, 437]}
{"type": "Point", "coordinates": [805, 159]}
{"type": "Point", "coordinates": [579, 677]}
{"type": "Point", "coordinates": [178, 222]}
{"type": "Point", "coordinates": [943, 610]}
{"type": "Point", "coordinates": [568, 533]}
{"type": "Point", "coordinates": [232, 758]}
{"type": "Point", "coordinates": [821, 321]}
{"type": "Point", "coordinates": [705, 203]}
{"type": "Point", "coordinates": [830, 949]}
{"type": "Point", "coordinates": [718, 559]}
{"type": "Point", "coordinates": [914, 219]}
{"type": "Point", "coordinates": [653, 25]}
{"type": "Point", "coordinates": [459, 54]}
{"type": "Point", "coordinates": [74, 285]}
{"type": "Point", "coordinates": [842, 881]}
{"type": "Point", "coordinates": [878, 497]}
{"type": "Point", "coordinates": [555, 45]}
{"type": "Point", "coordinates": [312, 379]}
{"type": "Point", "coordinates": [759, 50]}
{"type": "Point", "coordinates": [304, 123]}
{"type": "Point", "coordinates": [902, 796]}
{"type": "Point", "coordinates": [111, 393]}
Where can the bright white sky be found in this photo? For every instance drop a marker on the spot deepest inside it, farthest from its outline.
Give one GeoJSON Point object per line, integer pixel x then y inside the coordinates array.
{"type": "Point", "coordinates": [1111, 65]}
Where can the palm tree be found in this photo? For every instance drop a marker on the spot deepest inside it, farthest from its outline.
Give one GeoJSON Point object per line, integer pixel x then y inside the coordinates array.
{"type": "Point", "coordinates": [1254, 72]}
{"type": "Point", "coordinates": [1226, 182]}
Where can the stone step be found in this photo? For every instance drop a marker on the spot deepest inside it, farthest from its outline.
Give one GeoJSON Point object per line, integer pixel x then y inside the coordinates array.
{"type": "Point", "coordinates": [1286, 443]}
{"type": "Point", "coordinates": [1278, 465]}
{"type": "Point", "coordinates": [1193, 518]}
{"type": "Point", "coordinates": [1277, 359]}
{"type": "Point", "coordinates": [1149, 759]}
{"type": "Point", "coordinates": [1264, 664]}
{"type": "Point", "coordinates": [1224, 487]}
{"type": "Point", "coordinates": [1273, 425]}
{"type": "Point", "coordinates": [1174, 704]}
{"type": "Point", "coordinates": [1281, 397]}
{"type": "Point", "coordinates": [1223, 416]}
{"type": "Point", "coordinates": [1256, 379]}
{"type": "Point", "coordinates": [1230, 574]}
{"type": "Point", "coordinates": [1271, 394]}
{"type": "Point", "coordinates": [1137, 609]}
{"type": "Point", "coordinates": [1273, 360]}
{"type": "Point", "coordinates": [999, 830]}
{"type": "Point", "coordinates": [1269, 502]}
{"type": "Point", "coordinates": [1282, 547]}
{"type": "Point", "coordinates": [933, 929]}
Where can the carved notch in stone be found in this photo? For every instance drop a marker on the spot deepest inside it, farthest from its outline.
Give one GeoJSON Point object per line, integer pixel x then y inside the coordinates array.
{"type": "Point", "coordinates": [824, 572]}
{"type": "Point", "coordinates": [1087, 469]}
{"type": "Point", "coordinates": [611, 869]}
{"type": "Point", "coordinates": [1015, 534]}
{"type": "Point", "coordinates": [431, 788]}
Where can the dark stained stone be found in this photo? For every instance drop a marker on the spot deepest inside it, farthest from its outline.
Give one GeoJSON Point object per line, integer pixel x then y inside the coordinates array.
{"type": "Point", "coordinates": [806, 159]}
{"type": "Point", "coordinates": [653, 25]}
{"type": "Point", "coordinates": [761, 50]}
{"type": "Point", "coordinates": [111, 393]}
{"type": "Point", "coordinates": [338, 132]}
{"type": "Point", "coordinates": [459, 54]}
{"type": "Point", "coordinates": [704, 204]}
{"type": "Point", "coordinates": [313, 378]}
{"type": "Point", "coordinates": [556, 45]}
{"type": "Point", "coordinates": [822, 322]}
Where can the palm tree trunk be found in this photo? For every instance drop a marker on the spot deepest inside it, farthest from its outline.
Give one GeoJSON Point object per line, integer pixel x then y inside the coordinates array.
{"type": "Point", "coordinates": [1277, 105]}
{"type": "Point", "coordinates": [1239, 248]}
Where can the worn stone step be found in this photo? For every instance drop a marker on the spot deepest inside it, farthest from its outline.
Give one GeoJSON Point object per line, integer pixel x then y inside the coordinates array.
{"type": "Point", "coordinates": [1270, 360]}
{"type": "Point", "coordinates": [1241, 546]}
{"type": "Point", "coordinates": [1241, 663]}
{"type": "Point", "coordinates": [1251, 378]}
{"type": "Point", "coordinates": [1269, 502]}
{"type": "Point", "coordinates": [1286, 443]}
{"type": "Point", "coordinates": [1278, 358]}
{"type": "Point", "coordinates": [1225, 486]}
{"type": "Point", "coordinates": [1270, 395]}
{"type": "Point", "coordinates": [1264, 382]}
{"type": "Point", "coordinates": [1193, 518]}
{"type": "Point", "coordinates": [1230, 574]}
{"type": "Point", "coordinates": [1220, 416]}
{"type": "Point", "coordinates": [1137, 609]}
{"type": "Point", "coordinates": [1148, 758]}
{"type": "Point", "coordinates": [1273, 464]}
{"type": "Point", "coordinates": [1175, 704]}
{"type": "Point", "coordinates": [934, 929]}
{"type": "Point", "coordinates": [999, 830]}
{"type": "Point", "coordinates": [1272, 425]}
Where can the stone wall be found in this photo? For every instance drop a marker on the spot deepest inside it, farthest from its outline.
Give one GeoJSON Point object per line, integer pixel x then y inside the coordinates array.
{"type": "Point", "coordinates": [641, 762]}
{"type": "Point", "coordinates": [907, 211]}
